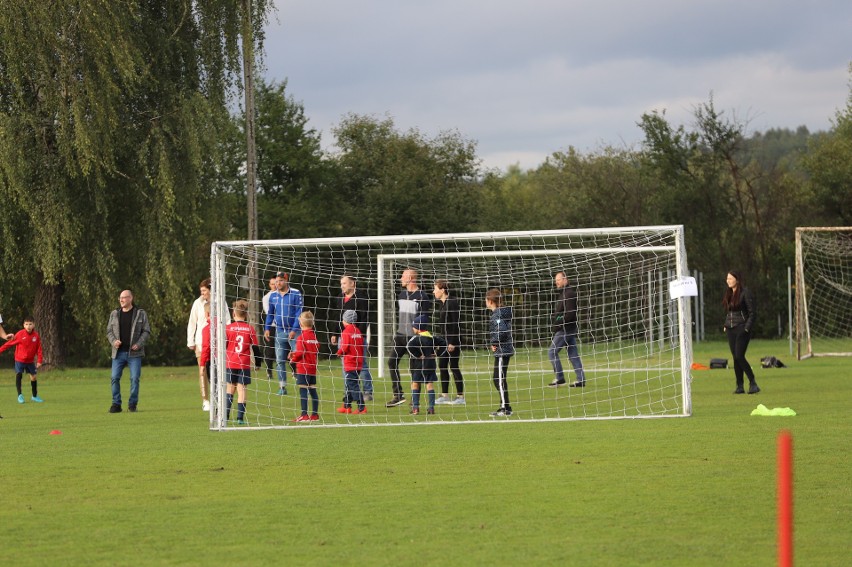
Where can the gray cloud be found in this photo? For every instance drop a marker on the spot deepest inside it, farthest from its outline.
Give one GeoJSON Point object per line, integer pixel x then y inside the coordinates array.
{"type": "Point", "coordinates": [529, 78]}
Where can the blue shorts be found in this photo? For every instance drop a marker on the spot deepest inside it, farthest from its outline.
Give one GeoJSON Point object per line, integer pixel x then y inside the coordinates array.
{"type": "Point", "coordinates": [306, 380]}
{"type": "Point", "coordinates": [236, 376]}
{"type": "Point", "coordinates": [28, 367]}
{"type": "Point", "coordinates": [424, 376]}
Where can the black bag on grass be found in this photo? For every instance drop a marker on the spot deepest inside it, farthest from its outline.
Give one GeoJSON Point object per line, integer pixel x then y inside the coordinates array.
{"type": "Point", "coordinates": [718, 363]}
{"type": "Point", "coordinates": [771, 362]}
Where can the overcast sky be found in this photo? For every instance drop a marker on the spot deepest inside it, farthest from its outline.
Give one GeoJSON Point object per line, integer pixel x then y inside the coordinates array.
{"type": "Point", "coordinates": [525, 78]}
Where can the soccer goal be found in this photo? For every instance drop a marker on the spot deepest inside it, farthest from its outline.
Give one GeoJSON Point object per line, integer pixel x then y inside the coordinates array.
{"type": "Point", "coordinates": [823, 291]}
{"type": "Point", "coordinates": [634, 336]}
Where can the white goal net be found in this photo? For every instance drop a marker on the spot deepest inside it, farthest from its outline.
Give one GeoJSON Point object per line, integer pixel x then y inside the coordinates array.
{"type": "Point", "coordinates": [633, 339]}
{"type": "Point", "coordinates": [824, 291]}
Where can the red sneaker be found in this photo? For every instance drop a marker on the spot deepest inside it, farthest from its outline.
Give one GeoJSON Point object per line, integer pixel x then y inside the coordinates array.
{"type": "Point", "coordinates": [414, 411]}
{"type": "Point", "coordinates": [303, 418]}
{"type": "Point", "coordinates": [314, 417]}
{"type": "Point", "coordinates": [344, 409]}
{"type": "Point", "coordinates": [360, 411]}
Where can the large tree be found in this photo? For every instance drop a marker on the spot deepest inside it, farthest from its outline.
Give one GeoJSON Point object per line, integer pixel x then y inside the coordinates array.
{"type": "Point", "coordinates": [108, 111]}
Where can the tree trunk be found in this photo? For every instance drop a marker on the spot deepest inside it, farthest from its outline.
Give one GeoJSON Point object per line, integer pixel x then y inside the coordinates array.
{"type": "Point", "coordinates": [47, 313]}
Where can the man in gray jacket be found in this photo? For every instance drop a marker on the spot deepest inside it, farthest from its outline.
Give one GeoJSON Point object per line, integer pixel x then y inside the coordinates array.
{"type": "Point", "coordinates": [127, 331]}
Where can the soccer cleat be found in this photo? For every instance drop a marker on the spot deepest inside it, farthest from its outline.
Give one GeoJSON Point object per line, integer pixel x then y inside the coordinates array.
{"type": "Point", "coordinates": [443, 400]}
{"type": "Point", "coordinates": [242, 422]}
{"type": "Point", "coordinates": [36, 399]}
{"type": "Point", "coordinates": [205, 406]}
{"type": "Point", "coordinates": [739, 390]}
{"type": "Point", "coordinates": [115, 408]}
{"type": "Point", "coordinates": [131, 408]}
{"type": "Point", "coordinates": [303, 417]}
{"type": "Point", "coordinates": [361, 411]}
{"type": "Point", "coordinates": [414, 411]}
{"type": "Point", "coordinates": [20, 398]}
{"type": "Point", "coordinates": [314, 417]}
{"type": "Point", "coordinates": [282, 391]}
{"type": "Point", "coordinates": [752, 389]}
{"type": "Point", "coordinates": [344, 409]}
{"type": "Point", "coordinates": [557, 383]}
{"type": "Point", "coordinates": [502, 412]}
{"type": "Point", "coordinates": [577, 384]}
{"type": "Point", "coordinates": [459, 401]}
{"type": "Point", "coordinates": [430, 411]}
{"type": "Point", "coordinates": [395, 401]}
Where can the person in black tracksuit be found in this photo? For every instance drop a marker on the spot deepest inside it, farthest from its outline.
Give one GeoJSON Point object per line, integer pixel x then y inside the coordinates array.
{"type": "Point", "coordinates": [502, 345]}
{"type": "Point", "coordinates": [740, 314]}
{"type": "Point", "coordinates": [411, 302]}
{"type": "Point", "coordinates": [449, 328]}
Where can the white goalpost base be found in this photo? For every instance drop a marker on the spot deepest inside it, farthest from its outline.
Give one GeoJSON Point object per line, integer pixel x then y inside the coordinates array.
{"type": "Point", "coordinates": [823, 291]}
{"type": "Point", "coordinates": [634, 340]}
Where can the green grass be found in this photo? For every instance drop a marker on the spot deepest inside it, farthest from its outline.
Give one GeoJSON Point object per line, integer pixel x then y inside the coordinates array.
{"type": "Point", "coordinates": [157, 487]}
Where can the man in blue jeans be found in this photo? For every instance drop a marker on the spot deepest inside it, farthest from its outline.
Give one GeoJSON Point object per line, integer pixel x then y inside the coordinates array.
{"type": "Point", "coordinates": [285, 306]}
{"type": "Point", "coordinates": [127, 331]}
{"type": "Point", "coordinates": [565, 333]}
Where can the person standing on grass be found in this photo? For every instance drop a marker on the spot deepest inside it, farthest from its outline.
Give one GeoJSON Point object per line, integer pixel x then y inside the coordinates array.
{"type": "Point", "coordinates": [240, 346]}
{"type": "Point", "coordinates": [449, 327]}
{"type": "Point", "coordinates": [304, 356]}
{"type": "Point", "coordinates": [285, 306]}
{"type": "Point", "coordinates": [502, 345]}
{"type": "Point", "coordinates": [740, 314]}
{"type": "Point", "coordinates": [28, 357]}
{"type": "Point", "coordinates": [423, 351]}
{"type": "Point", "coordinates": [565, 333]}
{"type": "Point", "coordinates": [411, 302]}
{"type": "Point", "coordinates": [195, 326]}
{"type": "Point", "coordinates": [351, 298]}
{"type": "Point", "coordinates": [127, 331]}
{"type": "Point", "coordinates": [351, 348]}
{"type": "Point", "coordinates": [268, 347]}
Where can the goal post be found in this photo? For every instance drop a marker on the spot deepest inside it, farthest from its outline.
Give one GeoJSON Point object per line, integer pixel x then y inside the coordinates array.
{"type": "Point", "coordinates": [823, 291]}
{"type": "Point", "coordinates": [634, 339]}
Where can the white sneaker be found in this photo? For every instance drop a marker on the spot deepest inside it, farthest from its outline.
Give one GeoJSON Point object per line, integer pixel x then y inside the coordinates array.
{"type": "Point", "coordinates": [205, 406]}
{"type": "Point", "coordinates": [459, 401]}
{"type": "Point", "coordinates": [441, 400]}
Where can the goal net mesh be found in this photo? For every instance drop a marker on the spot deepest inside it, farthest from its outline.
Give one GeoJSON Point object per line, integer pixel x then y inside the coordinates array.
{"type": "Point", "coordinates": [633, 338]}
{"type": "Point", "coordinates": [824, 291]}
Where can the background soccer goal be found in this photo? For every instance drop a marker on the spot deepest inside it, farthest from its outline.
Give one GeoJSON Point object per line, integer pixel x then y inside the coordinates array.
{"type": "Point", "coordinates": [824, 291]}
{"type": "Point", "coordinates": [634, 339]}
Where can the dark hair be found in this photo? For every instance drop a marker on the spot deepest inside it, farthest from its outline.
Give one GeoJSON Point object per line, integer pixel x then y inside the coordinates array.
{"type": "Point", "coordinates": [207, 282]}
{"type": "Point", "coordinates": [29, 319]}
{"type": "Point", "coordinates": [443, 284]}
{"type": "Point", "coordinates": [494, 296]}
{"type": "Point", "coordinates": [732, 296]}
{"type": "Point", "coordinates": [349, 276]}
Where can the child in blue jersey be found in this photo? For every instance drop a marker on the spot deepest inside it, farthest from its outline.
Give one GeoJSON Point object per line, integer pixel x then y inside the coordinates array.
{"type": "Point", "coordinates": [423, 351]}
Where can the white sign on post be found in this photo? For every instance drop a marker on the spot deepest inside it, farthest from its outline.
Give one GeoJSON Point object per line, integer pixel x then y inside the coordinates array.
{"type": "Point", "coordinates": [684, 286]}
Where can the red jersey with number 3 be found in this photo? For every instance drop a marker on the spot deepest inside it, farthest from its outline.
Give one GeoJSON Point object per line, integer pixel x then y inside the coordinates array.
{"type": "Point", "coordinates": [239, 339]}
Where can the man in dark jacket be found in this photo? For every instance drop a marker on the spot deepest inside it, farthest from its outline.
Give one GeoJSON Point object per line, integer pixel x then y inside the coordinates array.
{"type": "Point", "coordinates": [127, 331]}
{"type": "Point", "coordinates": [565, 333]}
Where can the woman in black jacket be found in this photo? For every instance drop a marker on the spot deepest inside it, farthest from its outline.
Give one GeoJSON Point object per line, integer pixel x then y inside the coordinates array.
{"type": "Point", "coordinates": [740, 314]}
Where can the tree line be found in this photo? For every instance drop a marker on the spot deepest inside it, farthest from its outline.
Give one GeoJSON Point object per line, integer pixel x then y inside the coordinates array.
{"type": "Point", "coordinates": [121, 161]}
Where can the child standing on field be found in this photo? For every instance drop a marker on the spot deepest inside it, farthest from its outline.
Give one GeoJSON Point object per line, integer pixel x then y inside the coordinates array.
{"type": "Point", "coordinates": [240, 344]}
{"type": "Point", "coordinates": [28, 357]}
{"type": "Point", "coordinates": [351, 348]}
{"type": "Point", "coordinates": [423, 352]}
{"type": "Point", "coordinates": [502, 345]}
{"type": "Point", "coordinates": [304, 356]}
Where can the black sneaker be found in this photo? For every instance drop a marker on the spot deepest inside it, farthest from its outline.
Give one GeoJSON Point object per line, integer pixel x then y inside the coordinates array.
{"type": "Point", "coordinates": [739, 390]}
{"type": "Point", "coordinates": [501, 412]}
{"type": "Point", "coordinates": [395, 401]}
{"type": "Point", "coordinates": [577, 384]}
{"type": "Point", "coordinates": [753, 388]}
{"type": "Point", "coordinates": [556, 383]}
{"type": "Point", "coordinates": [131, 408]}
{"type": "Point", "coordinates": [115, 408]}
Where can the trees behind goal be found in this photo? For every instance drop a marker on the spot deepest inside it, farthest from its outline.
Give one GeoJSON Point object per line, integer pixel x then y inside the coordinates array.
{"type": "Point", "coordinates": [634, 339]}
{"type": "Point", "coordinates": [824, 291]}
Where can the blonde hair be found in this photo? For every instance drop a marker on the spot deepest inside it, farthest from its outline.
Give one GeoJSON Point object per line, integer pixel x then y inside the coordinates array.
{"type": "Point", "coordinates": [240, 308]}
{"type": "Point", "coordinates": [306, 319]}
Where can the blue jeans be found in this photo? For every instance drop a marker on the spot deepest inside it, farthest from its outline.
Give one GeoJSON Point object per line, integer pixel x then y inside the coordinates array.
{"type": "Point", "coordinates": [352, 390]}
{"type": "Point", "coordinates": [365, 375]}
{"type": "Point", "coordinates": [283, 345]}
{"type": "Point", "coordinates": [560, 340]}
{"type": "Point", "coordinates": [122, 359]}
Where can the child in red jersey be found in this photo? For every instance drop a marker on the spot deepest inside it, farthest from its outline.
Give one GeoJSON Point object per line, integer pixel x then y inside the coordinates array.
{"type": "Point", "coordinates": [351, 348]}
{"type": "Point", "coordinates": [240, 345]}
{"type": "Point", "coordinates": [28, 357]}
{"type": "Point", "coordinates": [304, 356]}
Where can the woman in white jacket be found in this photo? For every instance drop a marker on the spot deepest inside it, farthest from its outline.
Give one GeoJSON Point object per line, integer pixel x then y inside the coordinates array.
{"type": "Point", "coordinates": [197, 322]}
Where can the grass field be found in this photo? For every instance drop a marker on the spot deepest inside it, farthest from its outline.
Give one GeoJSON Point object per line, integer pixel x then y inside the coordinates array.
{"type": "Point", "coordinates": [157, 487]}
